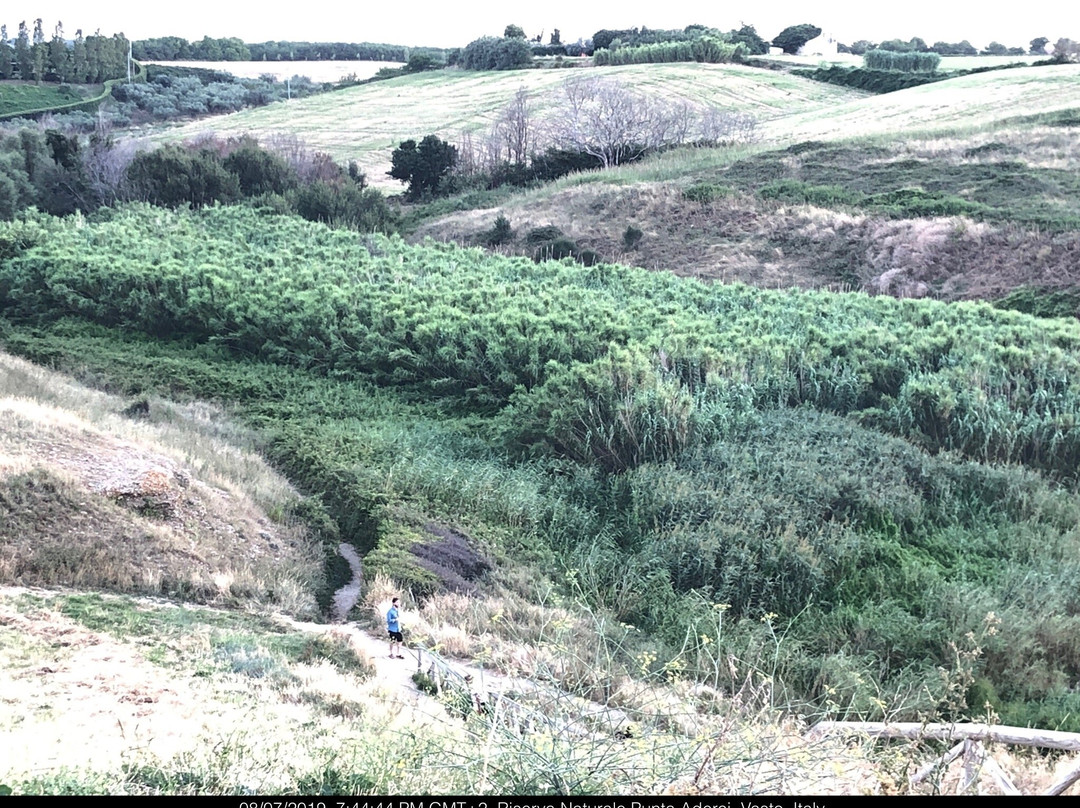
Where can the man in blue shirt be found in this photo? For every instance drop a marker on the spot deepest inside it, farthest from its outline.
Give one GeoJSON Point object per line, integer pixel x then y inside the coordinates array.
{"type": "Point", "coordinates": [393, 628]}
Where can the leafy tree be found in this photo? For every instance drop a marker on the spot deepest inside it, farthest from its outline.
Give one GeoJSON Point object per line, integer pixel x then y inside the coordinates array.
{"type": "Point", "coordinates": [344, 204]}
{"type": "Point", "coordinates": [556, 37]}
{"type": "Point", "coordinates": [795, 36]}
{"type": "Point", "coordinates": [59, 68]}
{"type": "Point", "coordinates": [1038, 45]}
{"type": "Point", "coordinates": [7, 55]}
{"type": "Point", "coordinates": [23, 58]}
{"type": "Point", "coordinates": [80, 69]}
{"type": "Point", "coordinates": [419, 62]}
{"type": "Point", "coordinates": [1066, 50]}
{"type": "Point", "coordinates": [861, 46]}
{"type": "Point", "coordinates": [172, 176]}
{"type": "Point", "coordinates": [962, 48]}
{"type": "Point", "coordinates": [38, 53]}
{"type": "Point", "coordinates": [514, 32]}
{"type": "Point", "coordinates": [749, 37]}
{"type": "Point", "coordinates": [493, 53]}
{"type": "Point", "coordinates": [259, 171]}
{"type": "Point", "coordinates": [995, 49]}
{"type": "Point", "coordinates": [423, 167]}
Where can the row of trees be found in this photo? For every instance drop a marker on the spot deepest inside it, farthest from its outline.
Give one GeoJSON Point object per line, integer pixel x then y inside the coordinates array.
{"type": "Point", "coordinates": [1037, 47]}
{"type": "Point", "coordinates": [231, 49]}
{"type": "Point", "coordinates": [87, 60]}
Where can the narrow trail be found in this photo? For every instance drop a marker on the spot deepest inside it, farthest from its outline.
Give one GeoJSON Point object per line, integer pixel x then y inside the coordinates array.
{"type": "Point", "coordinates": [346, 597]}
{"type": "Point", "coordinates": [483, 685]}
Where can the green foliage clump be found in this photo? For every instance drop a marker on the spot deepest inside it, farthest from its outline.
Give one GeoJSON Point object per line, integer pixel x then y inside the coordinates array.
{"type": "Point", "coordinates": [874, 80]}
{"type": "Point", "coordinates": [495, 53]}
{"type": "Point", "coordinates": [1041, 302]}
{"type": "Point", "coordinates": [795, 36]}
{"type": "Point", "coordinates": [904, 62]}
{"type": "Point", "coordinates": [500, 233]}
{"type": "Point", "coordinates": [631, 237]}
{"type": "Point", "coordinates": [172, 176]}
{"type": "Point", "coordinates": [706, 192]}
{"type": "Point", "coordinates": [708, 49]}
{"type": "Point", "coordinates": [864, 477]}
{"type": "Point", "coordinates": [794, 191]}
{"type": "Point", "coordinates": [550, 244]}
{"type": "Point", "coordinates": [423, 167]}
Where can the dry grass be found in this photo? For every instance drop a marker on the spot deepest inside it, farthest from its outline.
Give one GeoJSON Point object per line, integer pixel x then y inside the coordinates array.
{"type": "Point", "coordinates": [741, 238]}
{"type": "Point", "coordinates": [169, 502]}
{"type": "Point", "coordinates": [366, 123]}
{"type": "Point", "coordinates": [971, 103]}
{"type": "Point", "coordinates": [673, 736]}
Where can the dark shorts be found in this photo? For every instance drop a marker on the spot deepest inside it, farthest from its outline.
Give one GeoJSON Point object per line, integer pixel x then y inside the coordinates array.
{"type": "Point", "coordinates": [395, 636]}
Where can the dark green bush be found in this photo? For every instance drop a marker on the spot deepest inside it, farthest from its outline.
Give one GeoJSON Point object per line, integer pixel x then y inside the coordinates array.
{"type": "Point", "coordinates": [706, 192]}
{"type": "Point", "coordinates": [500, 233]}
{"type": "Point", "coordinates": [543, 234]}
{"type": "Point", "coordinates": [172, 176]}
{"type": "Point", "coordinates": [259, 171]}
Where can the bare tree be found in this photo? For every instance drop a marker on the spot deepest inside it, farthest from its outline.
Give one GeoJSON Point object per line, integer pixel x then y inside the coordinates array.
{"type": "Point", "coordinates": [107, 161]}
{"type": "Point", "coordinates": [616, 124]}
{"type": "Point", "coordinates": [601, 117]}
{"type": "Point", "coordinates": [720, 126]}
{"type": "Point", "coordinates": [513, 127]}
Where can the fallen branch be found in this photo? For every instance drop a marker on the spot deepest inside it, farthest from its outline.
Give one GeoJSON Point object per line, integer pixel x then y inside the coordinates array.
{"type": "Point", "coordinates": [1063, 784]}
{"type": "Point", "coordinates": [1049, 739]}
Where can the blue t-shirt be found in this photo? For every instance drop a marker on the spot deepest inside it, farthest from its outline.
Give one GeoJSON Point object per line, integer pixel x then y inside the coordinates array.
{"type": "Point", "coordinates": [392, 620]}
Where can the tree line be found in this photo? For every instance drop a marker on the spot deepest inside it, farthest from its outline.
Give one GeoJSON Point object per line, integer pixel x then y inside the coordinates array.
{"type": "Point", "coordinates": [231, 49]}
{"type": "Point", "coordinates": [83, 60]}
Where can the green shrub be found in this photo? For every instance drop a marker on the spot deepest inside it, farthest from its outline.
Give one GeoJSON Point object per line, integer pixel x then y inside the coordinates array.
{"type": "Point", "coordinates": [866, 78]}
{"type": "Point", "coordinates": [706, 192]}
{"type": "Point", "coordinates": [794, 191]}
{"type": "Point", "coordinates": [1041, 302]}
{"type": "Point", "coordinates": [542, 235]}
{"type": "Point", "coordinates": [500, 233]}
{"type": "Point", "coordinates": [906, 62]}
{"type": "Point", "coordinates": [631, 237]}
{"type": "Point", "coordinates": [173, 176]}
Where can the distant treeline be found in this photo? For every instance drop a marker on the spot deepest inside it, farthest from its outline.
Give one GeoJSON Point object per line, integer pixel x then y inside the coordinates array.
{"type": "Point", "coordinates": [231, 49]}
{"type": "Point", "coordinates": [84, 60]}
{"type": "Point", "coordinates": [613, 39]}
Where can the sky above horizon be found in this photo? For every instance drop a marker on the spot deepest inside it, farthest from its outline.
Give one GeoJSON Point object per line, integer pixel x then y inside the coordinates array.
{"type": "Point", "coordinates": [442, 24]}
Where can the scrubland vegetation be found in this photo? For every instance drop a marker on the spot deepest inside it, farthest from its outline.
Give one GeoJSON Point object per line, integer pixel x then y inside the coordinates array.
{"type": "Point", "coordinates": [687, 518]}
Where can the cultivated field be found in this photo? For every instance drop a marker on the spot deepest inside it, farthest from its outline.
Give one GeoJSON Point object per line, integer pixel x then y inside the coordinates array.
{"type": "Point", "coordinates": [366, 123]}
{"type": "Point", "coordinates": [965, 102]}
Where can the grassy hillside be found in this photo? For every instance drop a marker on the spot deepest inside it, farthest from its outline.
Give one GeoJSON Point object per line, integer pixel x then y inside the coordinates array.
{"type": "Point", "coordinates": [693, 517]}
{"type": "Point", "coordinates": [967, 102]}
{"type": "Point", "coordinates": [867, 478]}
{"type": "Point", "coordinates": [108, 691]}
{"type": "Point", "coordinates": [366, 123]}
{"type": "Point", "coordinates": [21, 96]}
{"type": "Point", "coordinates": [151, 497]}
{"type": "Point", "coordinates": [966, 191]}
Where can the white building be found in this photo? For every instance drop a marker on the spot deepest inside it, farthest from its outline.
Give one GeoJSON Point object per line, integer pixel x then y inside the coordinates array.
{"type": "Point", "coordinates": [823, 45]}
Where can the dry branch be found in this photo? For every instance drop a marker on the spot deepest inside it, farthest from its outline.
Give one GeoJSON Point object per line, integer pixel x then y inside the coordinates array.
{"type": "Point", "coordinates": [1049, 739]}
